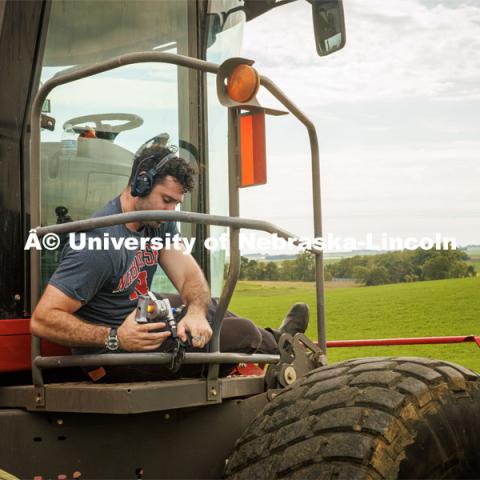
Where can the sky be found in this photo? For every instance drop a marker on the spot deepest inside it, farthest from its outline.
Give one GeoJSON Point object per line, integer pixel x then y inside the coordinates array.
{"type": "Point", "coordinates": [397, 114]}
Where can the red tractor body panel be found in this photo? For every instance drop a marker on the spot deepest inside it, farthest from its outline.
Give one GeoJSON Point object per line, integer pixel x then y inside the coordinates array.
{"type": "Point", "coordinates": [15, 343]}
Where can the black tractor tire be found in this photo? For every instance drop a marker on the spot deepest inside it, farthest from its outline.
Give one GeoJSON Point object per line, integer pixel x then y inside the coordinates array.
{"type": "Point", "coordinates": [370, 418]}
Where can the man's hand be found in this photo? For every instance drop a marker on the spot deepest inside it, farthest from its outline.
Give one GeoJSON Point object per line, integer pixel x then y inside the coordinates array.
{"type": "Point", "coordinates": [136, 337]}
{"type": "Point", "coordinates": [199, 329]}
{"type": "Point", "coordinates": [189, 280]}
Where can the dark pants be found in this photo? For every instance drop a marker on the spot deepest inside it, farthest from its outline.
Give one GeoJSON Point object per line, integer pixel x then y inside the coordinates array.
{"type": "Point", "coordinates": [238, 335]}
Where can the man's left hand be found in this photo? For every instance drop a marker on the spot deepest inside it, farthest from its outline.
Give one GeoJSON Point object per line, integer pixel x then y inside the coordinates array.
{"type": "Point", "coordinates": [199, 329]}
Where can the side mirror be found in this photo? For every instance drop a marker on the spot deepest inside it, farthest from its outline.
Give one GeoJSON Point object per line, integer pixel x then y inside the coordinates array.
{"type": "Point", "coordinates": [329, 25]}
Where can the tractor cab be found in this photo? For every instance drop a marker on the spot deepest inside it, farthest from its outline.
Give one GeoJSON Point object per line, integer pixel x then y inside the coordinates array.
{"type": "Point", "coordinates": [92, 125]}
{"type": "Point", "coordinates": [107, 79]}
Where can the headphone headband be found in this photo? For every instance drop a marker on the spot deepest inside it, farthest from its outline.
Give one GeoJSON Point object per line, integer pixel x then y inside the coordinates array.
{"type": "Point", "coordinates": [142, 183]}
{"type": "Point", "coordinates": [164, 161]}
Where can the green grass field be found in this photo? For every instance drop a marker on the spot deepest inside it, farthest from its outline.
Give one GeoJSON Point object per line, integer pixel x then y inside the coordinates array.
{"type": "Point", "coordinates": [436, 308]}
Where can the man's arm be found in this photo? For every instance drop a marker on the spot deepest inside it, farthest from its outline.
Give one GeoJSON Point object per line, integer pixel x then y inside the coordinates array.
{"type": "Point", "coordinates": [54, 320]}
{"type": "Point", "coordinates": [188, 278]}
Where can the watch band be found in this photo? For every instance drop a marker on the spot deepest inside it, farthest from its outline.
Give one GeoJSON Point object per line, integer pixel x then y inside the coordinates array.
{"type": "Point", "coordinates": [112, 344]}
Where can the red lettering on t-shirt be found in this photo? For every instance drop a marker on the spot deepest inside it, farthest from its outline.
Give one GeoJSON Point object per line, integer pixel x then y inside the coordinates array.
{"type": "Point", "coordinates": [150, 256]}
{"type": "Point", "coordinates": [121, 283]}
{"type": "Point", "coordinates": [134, 269]}
{"type": "Point", "coordinates": [141, 287]}
{"type": "Point", "coordinates": [139, 259]}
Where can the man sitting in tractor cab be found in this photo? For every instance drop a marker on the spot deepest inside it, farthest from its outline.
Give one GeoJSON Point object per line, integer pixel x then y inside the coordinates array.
{"type": "Point", "coordinates": [90, 302]}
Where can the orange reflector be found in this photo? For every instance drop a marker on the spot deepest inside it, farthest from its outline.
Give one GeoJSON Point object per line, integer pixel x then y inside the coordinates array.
{"type": "Point", "coordinates": [243, 83]}
{"type": "Point", "coordinates": [253, 168]}
{"type": "Point", "coordinates": [150, 309]}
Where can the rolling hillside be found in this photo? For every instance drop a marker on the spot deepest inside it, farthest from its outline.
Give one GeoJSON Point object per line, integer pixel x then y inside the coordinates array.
{"type": "Point", "coordinates": [442, 307]}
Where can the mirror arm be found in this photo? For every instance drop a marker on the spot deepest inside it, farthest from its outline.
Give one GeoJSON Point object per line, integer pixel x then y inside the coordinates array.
{"type": "Point", "coordinates": [255, 8]}
{"type": "Point", "coordinates": [283, 2]}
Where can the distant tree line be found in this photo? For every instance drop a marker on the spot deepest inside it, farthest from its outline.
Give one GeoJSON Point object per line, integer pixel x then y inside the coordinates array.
{"type": "Point", "coordinates": [392, 267]}
{"type": "Point", "coordinates": [405, 266]}
{"type": "Point", "coordinates": [301, 268]}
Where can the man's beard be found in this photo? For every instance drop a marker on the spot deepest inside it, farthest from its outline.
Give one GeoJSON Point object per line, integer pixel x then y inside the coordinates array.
{"type": "Point", "coordinates": [149, 223]}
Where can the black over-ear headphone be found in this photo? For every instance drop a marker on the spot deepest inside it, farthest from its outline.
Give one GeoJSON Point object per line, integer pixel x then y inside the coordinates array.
{"type": "Point", "coordinates": [142, 182]}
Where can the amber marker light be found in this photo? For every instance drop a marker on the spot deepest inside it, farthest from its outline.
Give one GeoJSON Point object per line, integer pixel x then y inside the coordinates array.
{"type": "Point", "coordinates": [243, 83]}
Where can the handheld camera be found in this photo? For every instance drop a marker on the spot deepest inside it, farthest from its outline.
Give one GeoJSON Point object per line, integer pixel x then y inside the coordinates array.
{"type": "Point", "coordinates": [152, 309]}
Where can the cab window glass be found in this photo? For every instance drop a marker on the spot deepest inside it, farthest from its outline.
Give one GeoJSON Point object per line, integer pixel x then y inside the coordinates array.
{"type": "Point", "coordinates": [101, 121]}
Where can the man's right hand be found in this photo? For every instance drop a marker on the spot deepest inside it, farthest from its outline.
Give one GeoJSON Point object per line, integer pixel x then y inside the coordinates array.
{"type": "Point", "coordinates": [139, 337]}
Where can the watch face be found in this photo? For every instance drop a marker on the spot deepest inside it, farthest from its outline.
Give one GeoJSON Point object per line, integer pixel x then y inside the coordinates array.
{"type": "Point", "coordinates": [112, 344]}
{"type": "Point", "coordinates": [112, 341]}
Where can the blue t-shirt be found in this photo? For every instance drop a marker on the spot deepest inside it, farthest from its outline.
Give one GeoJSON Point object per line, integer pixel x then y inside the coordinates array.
{"type": "Point", "coordinates": [108, 282]}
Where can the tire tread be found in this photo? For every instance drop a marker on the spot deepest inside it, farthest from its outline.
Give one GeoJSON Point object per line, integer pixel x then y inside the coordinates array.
{"type": "Point", "coordinates": [357, 416]}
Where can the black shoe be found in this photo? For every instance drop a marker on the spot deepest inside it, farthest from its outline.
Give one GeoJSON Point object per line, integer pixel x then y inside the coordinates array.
{"type": "Point", "coordinates": [296, 321]}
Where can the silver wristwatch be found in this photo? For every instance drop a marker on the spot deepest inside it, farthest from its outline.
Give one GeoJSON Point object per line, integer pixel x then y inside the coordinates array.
{"type": "Point", "coordinates": [112, 344]}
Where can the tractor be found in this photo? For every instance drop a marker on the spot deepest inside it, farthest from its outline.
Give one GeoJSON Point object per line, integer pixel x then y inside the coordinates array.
{"type": "Point", "coordinates": [170, 71]}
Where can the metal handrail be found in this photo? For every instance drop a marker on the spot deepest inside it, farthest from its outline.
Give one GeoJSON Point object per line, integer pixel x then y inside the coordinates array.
{"type": "Point", "coordinates": [204, 66]}
{"type": "Point", "coordinates": [317, 202]}
{"type": "Point", "coordinates": [154, 358]}
{"type": "Point", "coordinates": [235, 223]}
{"type": "Point", "coordinates": [155, 215]}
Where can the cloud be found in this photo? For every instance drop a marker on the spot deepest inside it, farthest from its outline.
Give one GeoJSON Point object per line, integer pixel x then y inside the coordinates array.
{"type": "Point", "coordinates": [396, 113]}
{"type": "Point", "coordinates": [380, 188]}
{"type": "Point", "coordinates": [117, 94]}
{"type": "Point", "coordinates": [394, 50]}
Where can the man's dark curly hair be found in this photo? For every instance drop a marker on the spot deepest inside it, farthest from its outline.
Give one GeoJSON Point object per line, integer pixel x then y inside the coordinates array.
{"type": "Point", "coordinates": [178, 168]}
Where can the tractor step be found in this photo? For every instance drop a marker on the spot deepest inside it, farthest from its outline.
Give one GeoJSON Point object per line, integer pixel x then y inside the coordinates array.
{"type": "Point", "coordinates": [124, 398]}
